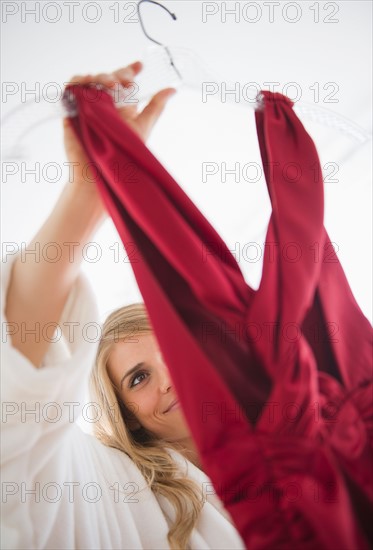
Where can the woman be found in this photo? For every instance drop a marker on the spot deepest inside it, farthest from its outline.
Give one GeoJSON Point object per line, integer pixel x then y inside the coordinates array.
{"type": "Point", "coordinates": [62, 488]}
{"type": "Point", "coordinates": [130, 381]}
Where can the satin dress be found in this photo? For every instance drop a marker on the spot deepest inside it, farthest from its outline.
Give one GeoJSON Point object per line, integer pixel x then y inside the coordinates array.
{"type": "Point", "coordinates": [275, 384]}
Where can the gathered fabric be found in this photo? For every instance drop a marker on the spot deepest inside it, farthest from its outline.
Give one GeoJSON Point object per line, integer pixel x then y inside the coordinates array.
{"type": "Point", "coordinates": [275, 384]}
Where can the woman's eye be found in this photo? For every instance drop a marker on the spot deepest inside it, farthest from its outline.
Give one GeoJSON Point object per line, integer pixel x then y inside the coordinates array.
{"type": "Point", "coordinates": [138, 376]}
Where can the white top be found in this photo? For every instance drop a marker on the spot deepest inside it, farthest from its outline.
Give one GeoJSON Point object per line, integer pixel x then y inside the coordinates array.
{"type": "Point", "coordinates": [61, 487]}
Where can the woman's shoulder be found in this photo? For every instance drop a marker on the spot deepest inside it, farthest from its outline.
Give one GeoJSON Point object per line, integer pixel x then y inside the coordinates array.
{"type": "Point", "coordinates": [204, 482]}
{"type": "Point", "coordinates": [112, 463]}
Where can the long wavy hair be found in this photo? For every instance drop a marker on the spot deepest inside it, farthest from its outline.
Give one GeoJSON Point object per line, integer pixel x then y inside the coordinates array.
{"type": "Point", "coordinates": [149, 453]}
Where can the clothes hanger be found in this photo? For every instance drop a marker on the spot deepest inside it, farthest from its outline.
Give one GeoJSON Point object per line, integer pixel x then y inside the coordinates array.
{"type": "Point", "coordinates": [152, 39]}
{"type": "Point", "coordinates": [161, 63]}
{"type": "Point", "coordinates": [163, 67]}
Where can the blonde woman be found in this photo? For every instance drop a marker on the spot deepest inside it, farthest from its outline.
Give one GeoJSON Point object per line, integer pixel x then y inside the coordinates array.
{"type": "Point", "coordinates": [138, 484]}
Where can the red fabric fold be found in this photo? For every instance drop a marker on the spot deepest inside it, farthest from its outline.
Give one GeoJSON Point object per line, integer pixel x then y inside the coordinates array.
{"type": "Point", "coordinates": [275, 384]}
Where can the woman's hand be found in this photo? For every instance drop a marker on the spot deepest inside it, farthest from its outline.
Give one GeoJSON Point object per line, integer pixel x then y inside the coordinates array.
{"type": "Point", "coordinates": [38, 288]}
{"type": "Point", "coordinates": [141, 122]}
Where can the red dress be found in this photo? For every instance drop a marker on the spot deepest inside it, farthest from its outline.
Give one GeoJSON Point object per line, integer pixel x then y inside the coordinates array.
{"type": "Point", "coordinates": [275, 383]}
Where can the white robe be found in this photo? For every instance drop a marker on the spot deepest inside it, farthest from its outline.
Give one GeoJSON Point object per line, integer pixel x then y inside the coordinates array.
{"type": "Point", "coordinates": [61, 487]}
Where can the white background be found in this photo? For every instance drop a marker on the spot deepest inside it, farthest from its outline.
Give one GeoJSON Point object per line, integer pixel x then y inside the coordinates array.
{"type": "Point", "coordinates": [294, 47]}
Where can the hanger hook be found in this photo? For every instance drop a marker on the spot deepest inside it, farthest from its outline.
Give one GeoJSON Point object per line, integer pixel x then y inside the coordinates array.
{"type": "Point", "coordinates": [152, 39]}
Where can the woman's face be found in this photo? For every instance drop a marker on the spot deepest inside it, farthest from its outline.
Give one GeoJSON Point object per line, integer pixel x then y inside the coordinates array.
{"type": "Point", "coordinates": [137, 369]}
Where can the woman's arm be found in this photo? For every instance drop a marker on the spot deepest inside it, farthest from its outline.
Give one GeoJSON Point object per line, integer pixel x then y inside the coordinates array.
{"type": "Point", "coordinates": [38, 288]}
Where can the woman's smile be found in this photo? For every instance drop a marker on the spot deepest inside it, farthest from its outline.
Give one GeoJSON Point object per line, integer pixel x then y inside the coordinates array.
{"type": "Point", "coordinates": [174, 405]}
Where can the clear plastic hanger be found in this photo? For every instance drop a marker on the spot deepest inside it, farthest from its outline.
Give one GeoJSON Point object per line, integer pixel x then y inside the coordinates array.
{"type": "Point", "coordinates": [163, 67]}
{"type": "Point", "coordinates": [180, 67]}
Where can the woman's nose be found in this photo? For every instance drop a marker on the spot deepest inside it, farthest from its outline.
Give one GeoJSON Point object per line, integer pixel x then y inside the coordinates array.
{"type": "Point", "coordinates": [165, 380]}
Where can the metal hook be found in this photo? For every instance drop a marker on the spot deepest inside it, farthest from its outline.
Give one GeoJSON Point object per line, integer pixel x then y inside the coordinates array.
{"type": "Point", "coordinates": [152, 39]}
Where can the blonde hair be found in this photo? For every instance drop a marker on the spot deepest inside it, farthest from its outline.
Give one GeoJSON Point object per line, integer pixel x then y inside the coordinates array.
{"type": "Point", "coordinates": [148, 453]}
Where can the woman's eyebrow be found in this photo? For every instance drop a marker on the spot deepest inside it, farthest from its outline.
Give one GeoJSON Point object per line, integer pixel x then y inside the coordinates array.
{"type": "Point", "coordinates": [134, 369]}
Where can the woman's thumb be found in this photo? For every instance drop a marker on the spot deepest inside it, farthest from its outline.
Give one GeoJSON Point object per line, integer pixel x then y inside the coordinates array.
{"type": "Point", "coordinates": [66, 123]}
{"type": "Point", "coordinates": [153, 110]}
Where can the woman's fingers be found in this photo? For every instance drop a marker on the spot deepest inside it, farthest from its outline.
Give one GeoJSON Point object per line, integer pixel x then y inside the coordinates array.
{"type": "Point", "coordinates": [122, 76]}
{"type": "Point", "coordinates": [131, 70]}
{"type": "Point", "coordinates": [149, 116]}
{"type": "Point", "coordinates": [144, 122]}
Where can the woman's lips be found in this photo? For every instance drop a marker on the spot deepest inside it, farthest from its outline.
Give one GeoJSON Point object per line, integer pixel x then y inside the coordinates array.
{"type": "Point", "coordinates": [174, 405]}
